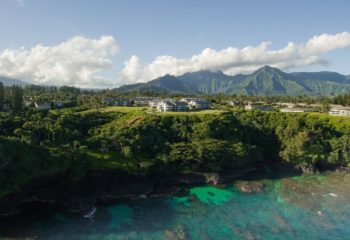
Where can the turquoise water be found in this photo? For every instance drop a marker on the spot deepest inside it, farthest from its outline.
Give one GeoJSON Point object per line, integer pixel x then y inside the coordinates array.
{"type": "Point", "coordinates": [303, 207]}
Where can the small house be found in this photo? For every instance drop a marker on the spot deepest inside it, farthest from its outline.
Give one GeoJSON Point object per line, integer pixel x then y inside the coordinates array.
{"type": "Point", "coordinates": [258, 106]}
{"type": "Point", "coordinates": [27, 103]}
{"type": "Point", "coordinates": [42, 105]}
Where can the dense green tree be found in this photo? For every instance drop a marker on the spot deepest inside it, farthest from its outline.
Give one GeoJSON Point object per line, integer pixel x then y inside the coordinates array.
{"type": "Point", "coordinates": [2, 95]}
{"type": "Point", "coordinates": [16, 98]}
{"type": "Point", "coordinates": [340, 151]}
{"type": "Point", "coordinates": [72, 141]}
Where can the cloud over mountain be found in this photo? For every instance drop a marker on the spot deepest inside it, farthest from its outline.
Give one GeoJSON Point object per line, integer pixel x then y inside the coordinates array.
{"type": "Point", "coordinates": [83, 62]}
{"type": "Point", "coordinates": [76, 62]}
{"type": "Point", "coordinates": [234, 60]}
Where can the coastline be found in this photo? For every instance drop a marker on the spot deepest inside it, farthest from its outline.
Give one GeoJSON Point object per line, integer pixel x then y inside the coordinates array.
{"type": "Point", "coordinates": [108, 185]}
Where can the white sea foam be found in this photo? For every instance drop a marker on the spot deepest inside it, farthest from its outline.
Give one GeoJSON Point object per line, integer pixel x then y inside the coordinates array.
{"type": "Point", "coordinates": [91, 213]}
{"type": "Point", "coordinates": [333, 194]}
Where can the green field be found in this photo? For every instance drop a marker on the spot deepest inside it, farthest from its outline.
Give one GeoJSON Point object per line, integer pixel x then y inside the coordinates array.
{"type": "Point", "coordinates": [121, 109]}
{"type": "Point", "coordinates": [106, 159]}
{"type": "Point", "coordinates": [340, 123]}
{"type": "Point", "coordinates": [112, 160]}
{"type": "Point", "coordinates": [208, 111]}
{"type": "Point", "coordinates": [340, 119]}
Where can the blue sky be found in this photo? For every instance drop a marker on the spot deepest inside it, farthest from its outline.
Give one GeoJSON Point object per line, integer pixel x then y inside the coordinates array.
{"type": "Point", "coordinates": [181, 29]}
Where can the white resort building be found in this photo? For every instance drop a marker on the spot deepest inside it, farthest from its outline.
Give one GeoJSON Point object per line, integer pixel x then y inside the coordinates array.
{"type": "Point", "coordinates": [172, 106]}
{"type": "Point", "coordinates": [258, 106]}
{"type": "Point", "coordinates": [296, 110]}
{"type": "Point", "coordinates": [338, 110]}
{"type": "Point", "coordinates": [197, 103]}
{"type": "Point", "coordinates": [153, 103]}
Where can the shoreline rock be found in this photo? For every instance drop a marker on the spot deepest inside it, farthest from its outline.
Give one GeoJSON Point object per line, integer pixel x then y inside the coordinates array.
{"type": "Point", "coordinates": [106, 185]}
{"type": "Point", "coordinates": [100, 186]}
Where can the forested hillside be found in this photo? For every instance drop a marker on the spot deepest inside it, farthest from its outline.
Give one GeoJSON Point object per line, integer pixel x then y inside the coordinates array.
{"type": "Point", "coordinates": [73, 141]}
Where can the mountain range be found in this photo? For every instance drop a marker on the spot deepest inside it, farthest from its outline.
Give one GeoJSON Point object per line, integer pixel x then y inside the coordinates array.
{"type": "Point", "coordinates": [266, 81]}
{"type": "Point", "coordinates": [12, 81]}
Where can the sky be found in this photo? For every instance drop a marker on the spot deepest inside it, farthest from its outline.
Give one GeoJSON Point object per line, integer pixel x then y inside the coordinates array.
{"type": "Point", "coordinates": [104, 44]}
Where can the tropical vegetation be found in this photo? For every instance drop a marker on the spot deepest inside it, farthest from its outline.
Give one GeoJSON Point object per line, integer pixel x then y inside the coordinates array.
{"type": "Point", "coordinates": [72, 141]}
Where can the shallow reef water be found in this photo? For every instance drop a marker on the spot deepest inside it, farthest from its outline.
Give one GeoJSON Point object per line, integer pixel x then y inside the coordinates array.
{"type": "Point", "coordinates": [300, 207]}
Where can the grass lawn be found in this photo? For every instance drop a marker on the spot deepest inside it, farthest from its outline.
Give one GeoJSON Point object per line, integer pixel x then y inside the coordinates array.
{"type": "Point", "coordinates": [341, 123]}
{"type": "Point", "coordinates": [121, 109]}
{"type": "Point", "coordinates": [112, 160]}
{"type": "Point", "coordinates": [335, 119]}
{"type": "Point", "coordinates": [106, 159]}
{"type": "Point", "coordinates": [208, 111]}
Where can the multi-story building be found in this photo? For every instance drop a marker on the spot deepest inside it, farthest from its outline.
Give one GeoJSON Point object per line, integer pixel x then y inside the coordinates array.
{"type": "Point", "coordinates": [339, 111]}
{"type": "Point", "coordinates": [197, 103]}
{"type": "Point", "coordinates": [258, 106]}
{"type": "Point", "coordinates": [297, 110]}
{"type": "Point", "coordinates": [172, 106]}
{"type": "Point", "coordinates": [153, 103]}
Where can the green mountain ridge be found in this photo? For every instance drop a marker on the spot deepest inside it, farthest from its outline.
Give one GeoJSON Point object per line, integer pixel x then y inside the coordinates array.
{"type": "Point", "coordinates": [266, 81]}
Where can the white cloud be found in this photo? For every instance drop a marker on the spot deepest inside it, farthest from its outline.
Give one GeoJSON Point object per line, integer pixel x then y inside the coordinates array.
{"type": "Point", "coordinates": [234, 60]}
{"type": "Point", "coordinates": [83, 62]}
{"type": "Point", "coordinates": [76, 62]}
